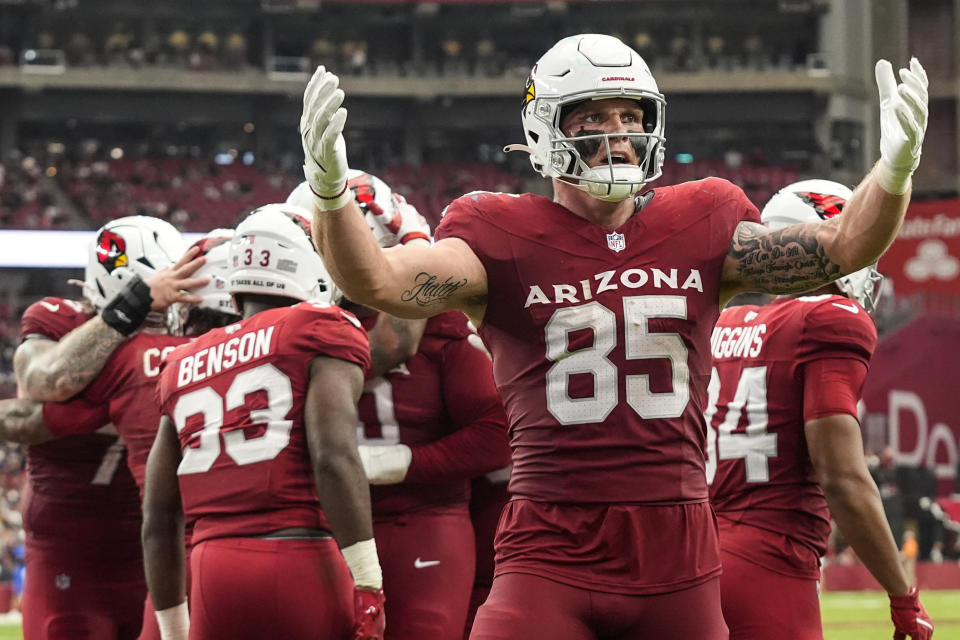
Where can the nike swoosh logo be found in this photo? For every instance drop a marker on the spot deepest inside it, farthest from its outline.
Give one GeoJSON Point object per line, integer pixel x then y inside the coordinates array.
{"type": "Point", "coordinates": [422, 564]}
{"type": "Point", "coordinates": [52, 308]}
{"type": "Point", "coordinates": [852, 308]}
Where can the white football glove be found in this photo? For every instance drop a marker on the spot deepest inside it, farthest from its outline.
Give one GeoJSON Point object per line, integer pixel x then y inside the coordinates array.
{"type": "Point", "coordinates": [400, 225]}
{"type": "Point", "coordinates": [321, 132]}
{"type": "Point", "coordinates": [387, 464]}
{"type": "Point", "coordinates": [903, 121]}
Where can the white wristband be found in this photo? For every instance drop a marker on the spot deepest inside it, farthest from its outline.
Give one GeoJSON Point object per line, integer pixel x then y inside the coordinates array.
{"type": "Point", "coordinates": [893, 181]}
{"type": "Point", "coordinates": [364, 564]}
{"type": "Point", "coordinates": [332, 203]}
{"type": "Point", "coordinates": [174, 622]}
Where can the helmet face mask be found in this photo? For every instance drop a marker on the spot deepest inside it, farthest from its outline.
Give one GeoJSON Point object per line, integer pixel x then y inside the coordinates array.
{"type": "Point", "coordinates": [272, 254]}
{"type": "Point", "coordinates": [813, 201]}
{"type": "Point", "coordinates": [592, 67]}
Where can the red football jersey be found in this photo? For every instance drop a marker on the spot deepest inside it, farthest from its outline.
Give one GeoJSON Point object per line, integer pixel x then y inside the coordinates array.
{"type": "Point", "coordinates": [80, 486]}
{"type": "Point", "coordinates": [236, 397]}
{"type": "Point", "coordinates": [758, 463]}
{"type": "Point", "coordinates": [125, 394]}
{"type": "Point", "coordinates": [442, 403]}
{"type": "Point", "coordinates": [600, 338]}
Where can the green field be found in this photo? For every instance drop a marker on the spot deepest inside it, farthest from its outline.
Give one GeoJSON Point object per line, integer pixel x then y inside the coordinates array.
{"type": "Point", "coordinates": [865, 615]}
{"type": "Point", "coordinates": [847, 615]}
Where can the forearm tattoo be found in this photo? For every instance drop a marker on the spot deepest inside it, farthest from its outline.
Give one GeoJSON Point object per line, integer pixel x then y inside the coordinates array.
{"type": "Point", "coordinates": [428, 290]}
{"type": "Point", "coordinates": [788, 260]}
{"type": "Point", "coordinates": [18, 415]}
{"type": "Point", "coordinates": [79, 358]}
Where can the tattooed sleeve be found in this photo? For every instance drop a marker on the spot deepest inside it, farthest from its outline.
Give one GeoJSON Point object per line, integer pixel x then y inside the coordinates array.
{"type": "Point", "coordinates": [66, 369]}
{"type": "Point", "coordinates": [788, 260]}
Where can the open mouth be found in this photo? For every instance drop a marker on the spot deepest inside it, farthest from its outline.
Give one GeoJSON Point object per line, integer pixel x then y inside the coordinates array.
{"type": "Point", "coordinates": [621, 158]}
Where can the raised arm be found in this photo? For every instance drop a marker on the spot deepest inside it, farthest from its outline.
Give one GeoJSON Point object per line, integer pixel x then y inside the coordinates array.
{"type": "Point", "coordinates": [807, 256]}
{"type": "Point", "coordinates": [51, 371]}
{"type": "Point", "coordinates": [407, 281]}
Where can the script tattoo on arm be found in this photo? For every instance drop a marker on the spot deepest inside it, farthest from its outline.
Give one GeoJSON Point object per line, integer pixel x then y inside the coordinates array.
{"type": "Point", "coordinates": [66, 369]}
{"type": "Point", "coordinates": [428, 290]}
{"type": "Point", "coordinates": [788, 260]}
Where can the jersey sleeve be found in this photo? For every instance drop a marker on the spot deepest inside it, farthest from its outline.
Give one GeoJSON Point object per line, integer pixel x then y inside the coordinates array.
{"type": "Point", "coordinates": [75, 417]}
{"type": "Point", "coordinates": [480, 443]}
{"type": "Point", "coordinates": [452, 325]}
{"type": "Point", "coordinates": [51, 318]}
{"type": "Point", "coordinates": [837, 327]}
{"type": "Point", "coordinates": [832, 386]}
{"type": "Point", "coordinates": [464, 219]}
{"type": "Point", "coordinates": [329, 331]}
{"type": "Point", "coordinates": [734, 207]}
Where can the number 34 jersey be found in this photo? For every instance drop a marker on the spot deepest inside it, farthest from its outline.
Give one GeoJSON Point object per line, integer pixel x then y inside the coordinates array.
{"type": "Point", "coordinates": [758, 463]}
{"type": "Point", "coordinates": [600, 338]}
{"type": "Point", "coordinates": [236, 397]}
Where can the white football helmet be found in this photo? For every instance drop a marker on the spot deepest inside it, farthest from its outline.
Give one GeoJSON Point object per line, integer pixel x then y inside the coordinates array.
{"type": "Point", "coordinates": [366, 187]}
{"type": "Point", "coordinates": [592, 67]}
{"type": "Point", "coordinates": [215, 246]}
{"type": "Point", "coordinates": [272, 253]}
{"type": "Point", "coordinates": [132, 245]}
{"type": "Point", "coordinates": [813, 201]}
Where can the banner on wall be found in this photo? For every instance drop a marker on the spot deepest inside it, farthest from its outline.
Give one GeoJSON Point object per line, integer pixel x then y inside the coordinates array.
{"type": "Point", "coordinates": [925, 257]}
{"type": "Point", "coordinates": [910, 397]}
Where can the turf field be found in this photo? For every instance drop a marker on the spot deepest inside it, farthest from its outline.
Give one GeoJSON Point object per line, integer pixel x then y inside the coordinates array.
{"type": "Point", "coordinates": [847, 615]}
{"type": "Point", "coordinates": [865, 615]}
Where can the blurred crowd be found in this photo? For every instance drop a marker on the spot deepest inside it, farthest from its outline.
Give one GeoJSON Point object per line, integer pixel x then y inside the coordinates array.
{"type": "Point", "coordinates": [450, 52]}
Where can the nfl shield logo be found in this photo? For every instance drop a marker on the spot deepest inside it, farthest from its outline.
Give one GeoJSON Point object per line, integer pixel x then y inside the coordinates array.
{"type": "Point", "coordinates": [616, 241]}
{"type": "Point", "coordinates": [62, 581]}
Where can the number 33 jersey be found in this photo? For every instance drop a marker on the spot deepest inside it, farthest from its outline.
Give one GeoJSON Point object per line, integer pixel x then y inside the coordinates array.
{"type": "Point", "coordinates": [236, 397]}
{"type": "Point", "coordinates": [761, 395]}
{"type": "Point", "coordinates": [600, 338]}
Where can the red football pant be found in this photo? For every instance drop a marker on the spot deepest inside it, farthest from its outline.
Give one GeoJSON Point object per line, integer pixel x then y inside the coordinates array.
{"type": "Point", "coordinates": [69, 595]}
{"type": "Point", "coordinates": [262, 588]}
{"type": "Point", "coordinates": [427, 560]}
{"type": "Point", "coordinates": [523, 606]}
{"type": "Point", "coordinates": [759, 604]}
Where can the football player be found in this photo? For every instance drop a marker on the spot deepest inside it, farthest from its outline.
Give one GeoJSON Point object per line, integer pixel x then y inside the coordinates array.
{"type": "Point", "coordinates": [597, 307]}
{"type": "Point", "coordinates": [257, 446]}
{"type": "Point", "coordinates": [784, 445]}
{"type": "Point", "coordinates": [427, 426]}
{"type": "Point", "coordinates": [81, 512]}
{"type": "Point", "coordinates": [123, 393]}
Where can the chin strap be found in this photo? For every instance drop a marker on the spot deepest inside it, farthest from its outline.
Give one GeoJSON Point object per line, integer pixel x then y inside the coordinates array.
{"type": "Point", "coordinates": [518, 147]}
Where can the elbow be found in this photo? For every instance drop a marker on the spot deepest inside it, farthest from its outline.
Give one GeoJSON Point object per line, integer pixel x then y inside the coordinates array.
{"type": "Point", "coordinates": [44, 386]}
{"type": "Point", "coordinates": [337, 465]}
{"type": "Point", "coordinates": [842, 490]}
{"type": "Point", "coordinates": [160, 524]}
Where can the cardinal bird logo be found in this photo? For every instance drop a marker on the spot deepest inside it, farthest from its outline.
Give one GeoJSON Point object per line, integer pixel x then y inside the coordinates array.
{"type": "Point", "coordinates": [826, 206]}
{"type": "Point", "coordinates": [529, 92]}
{"type": "Point", "coordinates": [112, 251]}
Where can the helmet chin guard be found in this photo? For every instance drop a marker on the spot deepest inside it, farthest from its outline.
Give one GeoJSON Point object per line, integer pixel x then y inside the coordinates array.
{"type": "Point", "coordinates": [592, 67]}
